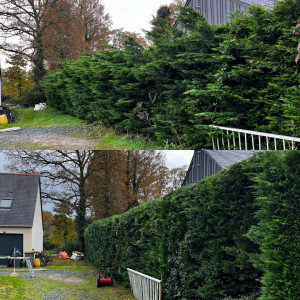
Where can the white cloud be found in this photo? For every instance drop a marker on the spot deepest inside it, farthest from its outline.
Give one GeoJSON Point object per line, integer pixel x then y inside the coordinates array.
{"type": "Point", "coordinates": [133, 15]}
{"type": "Point", "coordinates": [178, 158]}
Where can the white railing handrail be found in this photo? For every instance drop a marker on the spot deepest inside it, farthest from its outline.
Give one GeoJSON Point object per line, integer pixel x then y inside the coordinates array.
{"type": "Point", "coordinates": [253, 134]}
{"type": "Point", "coordinates": [144, 287]}
{"type": "Point", "coordinates": [144, 275]}
{"type": "Point", "coordinates": [271, 135]}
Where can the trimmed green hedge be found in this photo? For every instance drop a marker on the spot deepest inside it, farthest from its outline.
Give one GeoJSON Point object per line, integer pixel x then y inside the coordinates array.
{"type": "Point", "coordinates": [194, 236]}
{"type": "Point", "coordinates": [213, 239]}
{"type": "Point", "coordinates": [278, 231]}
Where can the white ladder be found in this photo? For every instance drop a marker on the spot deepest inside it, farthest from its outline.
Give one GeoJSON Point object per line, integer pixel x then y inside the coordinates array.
{"type": "Point", "coordinates": [29, 266]}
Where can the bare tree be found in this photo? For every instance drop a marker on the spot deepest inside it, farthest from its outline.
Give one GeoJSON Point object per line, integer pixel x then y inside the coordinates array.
{"type": "Point", "coordinates": [22, 24]}
{"type": "Point", "coordinates": [64, 175]}
{"type": "Point", "coordinates": [58, 29]}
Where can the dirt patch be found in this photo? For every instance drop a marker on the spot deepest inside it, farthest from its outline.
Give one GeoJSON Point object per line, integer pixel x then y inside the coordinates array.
{"type": "Point", "coordinates": [74, 280]}
{"type": "Point", "coordinates": [65, 143]}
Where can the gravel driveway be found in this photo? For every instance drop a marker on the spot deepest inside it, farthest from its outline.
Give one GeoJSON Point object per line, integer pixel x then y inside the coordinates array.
{"type": "Point", "coordinates": [60, 138]}
{"type": "Point", "coordinates": [65, 276]}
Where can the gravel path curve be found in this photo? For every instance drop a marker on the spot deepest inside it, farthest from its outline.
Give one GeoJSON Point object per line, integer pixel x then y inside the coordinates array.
{"type": "Point", "coordinates": [64, 138]}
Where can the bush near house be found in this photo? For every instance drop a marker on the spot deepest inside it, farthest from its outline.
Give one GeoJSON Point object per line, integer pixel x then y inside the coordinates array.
{"type": "Point", "coordinates": [240, 74]}
{"type": "Point", "coordinates": [216, 238]}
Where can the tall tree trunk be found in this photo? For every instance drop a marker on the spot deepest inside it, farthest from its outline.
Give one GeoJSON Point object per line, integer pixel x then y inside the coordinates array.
{"type": "Point", "coordinates": [81, 222]}
{"type": "Point", "coordinates": [38, 60]}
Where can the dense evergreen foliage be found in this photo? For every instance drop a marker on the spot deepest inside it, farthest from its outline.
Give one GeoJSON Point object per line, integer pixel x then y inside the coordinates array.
{"type": "Point", "coordinates": [278, 194]}
{"type": "Point", "coordinates": [206, 239]}
{"type": "Point", "coordinates": [240, 74]}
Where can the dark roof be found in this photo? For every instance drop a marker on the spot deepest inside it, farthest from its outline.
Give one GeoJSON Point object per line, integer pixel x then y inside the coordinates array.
{"type": "Point", "coordinates": [24, 191]}
{"type": "Point", "coordinates": [250, 2]}
{"type": "Point", "coordinates": [226, 158]}
{"type": "Point", "coordinates": [206, 163]}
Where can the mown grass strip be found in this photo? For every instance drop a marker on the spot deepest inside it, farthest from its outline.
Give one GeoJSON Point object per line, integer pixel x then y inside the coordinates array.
{"type": "Point", "coordinates": [41, 118]}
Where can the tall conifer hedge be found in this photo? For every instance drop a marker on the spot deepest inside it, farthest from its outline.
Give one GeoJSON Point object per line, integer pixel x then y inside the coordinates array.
{"type": "Point", "coordinates": [217, 238]}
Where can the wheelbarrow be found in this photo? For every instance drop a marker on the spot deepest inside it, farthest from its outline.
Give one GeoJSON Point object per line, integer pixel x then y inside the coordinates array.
{"type": "Point", "coordinates": [105, 279]}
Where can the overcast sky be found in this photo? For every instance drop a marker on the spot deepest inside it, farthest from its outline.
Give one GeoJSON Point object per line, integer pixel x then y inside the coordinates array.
{"type": "Point", "coordinates": [133, 15]}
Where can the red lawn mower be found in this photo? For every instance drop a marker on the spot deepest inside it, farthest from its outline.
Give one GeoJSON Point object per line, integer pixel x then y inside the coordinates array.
{"type": "Point", "coordinates": [105, 279]}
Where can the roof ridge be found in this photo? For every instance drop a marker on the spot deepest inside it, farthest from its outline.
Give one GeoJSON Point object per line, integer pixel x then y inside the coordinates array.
{"type": "Point", "coordinates": [20, 174]}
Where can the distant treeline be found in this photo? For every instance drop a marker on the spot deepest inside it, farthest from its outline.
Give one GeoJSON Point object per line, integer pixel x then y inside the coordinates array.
{"type": "Point", "coordinates": [240, 74]}
{"type": "Point", "coordinates": [235, 234]}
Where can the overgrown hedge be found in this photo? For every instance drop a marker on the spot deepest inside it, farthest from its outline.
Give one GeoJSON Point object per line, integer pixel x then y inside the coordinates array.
{"type": "Point", "coordinates": [206, 239]}
{"type": "Point", "coordinates": [240, 74]}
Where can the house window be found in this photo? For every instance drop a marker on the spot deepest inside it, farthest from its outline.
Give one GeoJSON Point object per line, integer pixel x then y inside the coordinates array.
{"type": "Point", "coordinates": [6, 203]}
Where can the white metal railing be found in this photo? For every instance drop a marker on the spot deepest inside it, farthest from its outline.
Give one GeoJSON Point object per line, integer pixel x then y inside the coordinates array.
{"type": "Point", "coordinates": [258, 139]}
{"type": "Point", "coordinates": [144, 287]}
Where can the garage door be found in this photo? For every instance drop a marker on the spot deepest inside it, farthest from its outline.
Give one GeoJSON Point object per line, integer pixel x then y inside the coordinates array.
{"type": "Point", "coordinates": [7, 243]}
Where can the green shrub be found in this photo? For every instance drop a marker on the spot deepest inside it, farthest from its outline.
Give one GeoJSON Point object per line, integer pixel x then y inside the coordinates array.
{"type": "Point", "coordinates": [70, 246]}
{"type": "Point", "coordinates": [31, 98]}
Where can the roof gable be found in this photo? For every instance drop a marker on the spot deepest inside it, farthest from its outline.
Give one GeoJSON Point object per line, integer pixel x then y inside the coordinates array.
{"type": "Point", "coordinates": [23, 189]}
{"type": "Point", "coordinates": [226, 158]}
{"type": "Point", "coordinates": [206, 163]}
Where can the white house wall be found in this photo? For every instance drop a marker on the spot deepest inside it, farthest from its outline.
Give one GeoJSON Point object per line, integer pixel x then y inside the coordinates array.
{"type": "Point", "coordinates": [27, 235]}
{"type": "Point", "coordinates": [37, 229]}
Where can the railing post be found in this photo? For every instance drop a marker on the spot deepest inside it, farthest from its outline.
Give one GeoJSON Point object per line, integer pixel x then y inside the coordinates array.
{"type": "Point", "coordinates": [233, 139]}
{"type": "Point", "coordinates": [161, 285]}
{"type": "Point", "coordinates": [223, 142]}
{"type": "Point", "coordinates": [228, 140]}
{"type": "Point", "coordinates": [253, 146]}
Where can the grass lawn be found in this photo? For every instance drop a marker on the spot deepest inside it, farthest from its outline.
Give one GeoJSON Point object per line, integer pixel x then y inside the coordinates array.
{"type": "Point", "coordinates": [61, 285]}
{"type": "Point", "coordinates": [42, 118]}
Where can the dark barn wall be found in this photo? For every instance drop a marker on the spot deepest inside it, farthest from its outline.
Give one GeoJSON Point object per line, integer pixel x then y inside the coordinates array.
{"type": "Point", "coordinates": [216, 11]}
{"type": "Point", "coordinates": [202, 166]}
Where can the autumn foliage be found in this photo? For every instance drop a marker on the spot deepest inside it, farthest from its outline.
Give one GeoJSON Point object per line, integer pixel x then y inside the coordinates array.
{"type": "Point", "coordinates": [122, 180]}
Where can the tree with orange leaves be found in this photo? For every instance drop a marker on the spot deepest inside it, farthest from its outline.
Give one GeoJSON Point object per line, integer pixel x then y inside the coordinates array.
{"type": "Point", "coordinates": [78, 27]}
{"type": "Point", "coordinates": [107, 184]}
{"type": "Point", "coordinates": [125, 179]}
